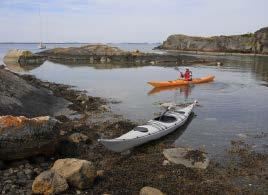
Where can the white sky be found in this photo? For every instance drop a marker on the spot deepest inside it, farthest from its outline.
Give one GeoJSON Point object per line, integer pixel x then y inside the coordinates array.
{"type": "Point", "coordinates": [127, 20]}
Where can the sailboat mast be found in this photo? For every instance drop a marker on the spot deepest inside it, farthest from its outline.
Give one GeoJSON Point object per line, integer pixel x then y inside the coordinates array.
{"type": "Point", "coordinates": [40, 26]}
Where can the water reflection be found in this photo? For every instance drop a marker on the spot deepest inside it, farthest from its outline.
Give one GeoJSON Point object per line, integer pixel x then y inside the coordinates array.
{"type": "Point", "coordinates": [16, 67]}
{"type": "Point", "coordinates": [98, 65]}
{"type": "Point", "coordinates": [260, 67]}
{"type": "Point", "coordinates": [184, 90]}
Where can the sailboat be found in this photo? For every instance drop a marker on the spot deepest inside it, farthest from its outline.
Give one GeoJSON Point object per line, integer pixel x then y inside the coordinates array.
{"type": "Point", "coordinates": [41, 44]}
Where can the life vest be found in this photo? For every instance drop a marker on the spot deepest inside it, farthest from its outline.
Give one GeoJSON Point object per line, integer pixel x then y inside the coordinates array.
{"type": "Point", "coordinates": [187, 76]}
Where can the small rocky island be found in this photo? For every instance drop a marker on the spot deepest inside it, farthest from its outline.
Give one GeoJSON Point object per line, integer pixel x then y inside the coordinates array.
{"type": "Point", "coordinates": [251, 43]}
{"type": "Point", "coordinates": [95, 54]}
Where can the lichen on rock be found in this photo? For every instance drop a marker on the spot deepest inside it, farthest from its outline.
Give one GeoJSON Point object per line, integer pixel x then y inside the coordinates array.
{"type": "Point", "coordinates": [22, 137]}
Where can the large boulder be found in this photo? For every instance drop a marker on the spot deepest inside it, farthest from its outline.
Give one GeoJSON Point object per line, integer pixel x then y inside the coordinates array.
{"type": "Point", "coordinates": [150, 191]}
{"type": "Point", "coordinates": [17, 57]}
{"type": "Point", "coordinates": [187, 157]}
{"type": "Point", "coordinates": [21, 137]}
{"type": "Point", "coordinates": [14, 55]}
{"type": "Point", "coordinates": [49, 182]}
{"type": "Point", "coordinates": [78, 173]}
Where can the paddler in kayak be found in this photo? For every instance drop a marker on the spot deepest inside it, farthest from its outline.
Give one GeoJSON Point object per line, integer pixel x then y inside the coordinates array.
{"type": "Point", "coordinates": [187, 75]}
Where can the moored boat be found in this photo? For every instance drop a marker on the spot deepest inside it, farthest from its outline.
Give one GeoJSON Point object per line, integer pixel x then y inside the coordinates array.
{"type": "Point", "coordinates": [154, 129]}
{"type": "Point", "coordinates": [182, 82]}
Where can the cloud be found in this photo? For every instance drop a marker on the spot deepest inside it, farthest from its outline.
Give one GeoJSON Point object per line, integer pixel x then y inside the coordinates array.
{"type": "Point", "coordinates": [127, 20]}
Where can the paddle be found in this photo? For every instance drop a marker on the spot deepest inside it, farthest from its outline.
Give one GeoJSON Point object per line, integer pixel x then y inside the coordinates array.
{"type": "Point", "coordinates": [177, 68]}
{"type": "Point", "coordinates": [168, 108]}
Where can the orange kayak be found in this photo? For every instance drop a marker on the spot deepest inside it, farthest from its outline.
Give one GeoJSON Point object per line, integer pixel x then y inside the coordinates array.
{"type": "Point", "coordinates": [182, 82]}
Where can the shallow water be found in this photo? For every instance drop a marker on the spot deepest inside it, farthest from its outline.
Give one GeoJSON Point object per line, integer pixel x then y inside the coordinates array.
{"type": "Point", "coordinates": [235, 103]}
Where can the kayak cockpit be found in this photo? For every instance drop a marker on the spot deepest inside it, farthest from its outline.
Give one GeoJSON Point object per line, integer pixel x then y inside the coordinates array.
{"type": "Point", "coordinates": [141, 129]}
{"type": "Point", "coordinates": [166, 119]}
{"type": "Point", "coordinates": [178, 111]}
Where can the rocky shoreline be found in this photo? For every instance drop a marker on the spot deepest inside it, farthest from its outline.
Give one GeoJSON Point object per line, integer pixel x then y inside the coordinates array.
{"type": "Point", "coordinates": [251, 43]}
{"type": "Point", "coordinates": [111, 173]}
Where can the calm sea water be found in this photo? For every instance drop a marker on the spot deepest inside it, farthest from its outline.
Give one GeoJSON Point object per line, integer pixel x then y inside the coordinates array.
{"type": "Point", "coordinates": [236, 103]}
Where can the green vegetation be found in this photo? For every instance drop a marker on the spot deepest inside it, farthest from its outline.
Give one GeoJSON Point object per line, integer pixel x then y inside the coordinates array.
{"type": "Point", "coordinates": [249, 35]}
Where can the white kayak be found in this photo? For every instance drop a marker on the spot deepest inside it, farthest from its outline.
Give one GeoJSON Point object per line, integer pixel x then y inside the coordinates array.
{"type": "Point", "coordinates": [152, 130]}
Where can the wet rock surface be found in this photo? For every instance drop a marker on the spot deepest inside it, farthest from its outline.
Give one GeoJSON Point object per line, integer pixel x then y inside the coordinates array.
{"type": "Point", "coordinates": [81, 102]}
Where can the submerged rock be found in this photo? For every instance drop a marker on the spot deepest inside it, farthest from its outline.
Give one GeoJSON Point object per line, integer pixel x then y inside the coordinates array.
{"type": "Point", "coordinates": [187, 157]}
{"type": "Point", "coordinates": [22, 137]}
{"type": "Point", "coordinates": [78, 173]}
{"type": "Point", "coordinates": [150, 191]}
{"type": "Point", "coordinates": [49, 182]}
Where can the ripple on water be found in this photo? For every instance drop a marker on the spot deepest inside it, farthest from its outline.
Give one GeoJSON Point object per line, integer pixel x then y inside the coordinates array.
{"type": "Point", "coordinates": [222, 87]}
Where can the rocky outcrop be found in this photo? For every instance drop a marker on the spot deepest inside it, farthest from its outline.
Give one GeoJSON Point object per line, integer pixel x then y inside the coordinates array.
{"type": "Point", "coordinates": [97, 49]}
{"type": "Point", "coordinates": [49, 182]}
{"type": "Point", "coordinates": [15, 54]}
{"type": "Point", "coordinates": [78, 173]}
{"type": "Point", "coordinates": [246, 43]}
{"type": "Point", "coordinates": [22, 137]}
{"type": "Point", "coordinates": [262, 40]}
{"type": "Point", "coordinates": [104, 54]}
{"type": "Point", "coordinates": [22, 57]}
{"type": "Point", "coordinates": [100, 53]}
{"type": "Point", "coordinates": [19, 98]}
{"type": "Point", "coordinates": [150, 191]}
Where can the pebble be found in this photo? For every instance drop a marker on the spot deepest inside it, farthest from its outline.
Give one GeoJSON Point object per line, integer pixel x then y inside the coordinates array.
{"type": "Point", "coordinates": [28, 171]}
{"type": "Point", "coordinates": [165, 162]}
{"type": "Point", "coordinates": [18, 177]}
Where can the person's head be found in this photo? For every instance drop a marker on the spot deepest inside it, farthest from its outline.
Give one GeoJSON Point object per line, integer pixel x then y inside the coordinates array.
{"type": "Point", "coordinates": [187, 69]}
